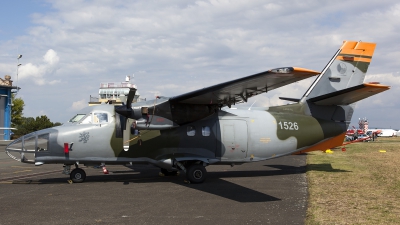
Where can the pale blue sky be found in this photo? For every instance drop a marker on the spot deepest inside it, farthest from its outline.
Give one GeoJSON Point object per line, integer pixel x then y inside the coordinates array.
{"type": "Point", "coordinates": [176, 46]}
{"type": "Point", "coordinates": [16, 16]}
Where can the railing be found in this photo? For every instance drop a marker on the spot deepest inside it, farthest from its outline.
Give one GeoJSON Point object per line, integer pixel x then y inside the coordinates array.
{"type": "Point", "coordinates": [117, 85]}
{"type": "Point", "coordinates": [93, 99]}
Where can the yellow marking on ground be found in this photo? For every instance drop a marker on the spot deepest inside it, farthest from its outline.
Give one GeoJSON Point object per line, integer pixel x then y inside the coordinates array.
{"type": "Point", "coordinates": [265, 140]}
{"type": "Point", "coordinates": [6, 182]}
{"type": "Point", "coordinates": [22, 167]}
{"type": "Point", "coordinates": [21, 171]}
{"type": "Point", "coordinates": [27, 182]}
{"type": "Point", "coordinates": [382, 150]}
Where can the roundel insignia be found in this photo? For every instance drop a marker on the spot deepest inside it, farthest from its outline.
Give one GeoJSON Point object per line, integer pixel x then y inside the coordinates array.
{"type": "Point", "coordinates": [341, 67]}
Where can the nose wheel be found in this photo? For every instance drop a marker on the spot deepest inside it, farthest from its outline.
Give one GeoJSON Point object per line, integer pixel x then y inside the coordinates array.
{"type": "Point", "coordinates": [78, 175]}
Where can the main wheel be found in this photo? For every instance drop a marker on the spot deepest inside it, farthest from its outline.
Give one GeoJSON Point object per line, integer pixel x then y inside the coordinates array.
{"type": "Point", "coordinates": [78, 175]}
{"type": "Point", "coordinates": [196, 173]}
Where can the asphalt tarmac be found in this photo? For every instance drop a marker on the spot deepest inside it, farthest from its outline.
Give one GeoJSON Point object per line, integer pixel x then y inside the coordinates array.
{"type": "Point", "coordinates": [268, 192]}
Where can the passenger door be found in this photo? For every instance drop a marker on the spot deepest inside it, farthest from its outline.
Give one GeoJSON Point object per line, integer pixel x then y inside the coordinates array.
{"type": "Point", "coordinates": [234, 140]}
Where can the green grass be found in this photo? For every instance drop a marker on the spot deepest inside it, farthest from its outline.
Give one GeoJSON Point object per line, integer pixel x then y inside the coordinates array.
{"type": "Point", "coordinates": [358, 186]}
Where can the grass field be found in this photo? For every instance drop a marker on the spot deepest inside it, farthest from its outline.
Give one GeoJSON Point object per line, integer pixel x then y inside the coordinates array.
{"type": "Point", "coordinates": [358, 186]}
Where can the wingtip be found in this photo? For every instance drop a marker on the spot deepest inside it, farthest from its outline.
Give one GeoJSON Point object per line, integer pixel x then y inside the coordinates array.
{"type": "Point", "coordinates": [306, 71]}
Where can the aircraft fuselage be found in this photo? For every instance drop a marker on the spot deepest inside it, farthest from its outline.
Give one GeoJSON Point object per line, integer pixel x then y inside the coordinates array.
{"type": "Point", "coordinates": [228, 136]}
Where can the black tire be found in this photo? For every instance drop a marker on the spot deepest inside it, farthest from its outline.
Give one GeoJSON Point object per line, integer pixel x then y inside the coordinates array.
{"type": "Point", "coordinates": [196, 173]}
{"type": "Point", "coordinates": [169, 173]}
{"type": "Point", "coordinates": [78, 175]}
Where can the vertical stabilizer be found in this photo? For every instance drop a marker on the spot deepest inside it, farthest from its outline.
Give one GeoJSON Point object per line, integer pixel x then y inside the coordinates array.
{"type": "Point", "coordinates": [346, 69]}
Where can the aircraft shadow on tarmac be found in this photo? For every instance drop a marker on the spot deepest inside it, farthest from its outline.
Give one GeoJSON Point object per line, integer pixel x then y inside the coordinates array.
{"type": "Point", "coordinates": [324, 167]}
{"type": "Point", "coordinates": [215, 184]}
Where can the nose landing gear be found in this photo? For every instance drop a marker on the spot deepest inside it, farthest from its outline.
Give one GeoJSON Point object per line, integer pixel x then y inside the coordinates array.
{"type": "Point", "coordinates": [78, 175]}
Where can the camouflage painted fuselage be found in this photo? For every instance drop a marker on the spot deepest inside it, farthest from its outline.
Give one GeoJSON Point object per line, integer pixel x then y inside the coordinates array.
{"type": "Point", "coordinates": [226, 136]}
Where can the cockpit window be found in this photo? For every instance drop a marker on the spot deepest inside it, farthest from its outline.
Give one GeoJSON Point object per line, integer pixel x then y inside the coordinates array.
{"type": "Point", "coordinates": [76, 118]}
{"type": "Point", "coordinates": [95, 118]}
{"type": "Point", "coordinates": [100, 117]}
{"type": "Point", "coordinates": [87, 120]}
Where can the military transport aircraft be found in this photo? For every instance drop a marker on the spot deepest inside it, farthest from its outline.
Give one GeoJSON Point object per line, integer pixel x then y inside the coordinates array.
{"type": "Point", "coordinates": [193, 130]}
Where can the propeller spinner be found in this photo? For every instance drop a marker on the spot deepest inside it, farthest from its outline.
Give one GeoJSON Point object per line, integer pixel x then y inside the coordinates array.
{"type": "Point", "coordinates": [126, 109]}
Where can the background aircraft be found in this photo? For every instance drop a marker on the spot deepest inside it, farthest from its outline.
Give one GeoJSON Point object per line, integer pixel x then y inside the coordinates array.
{"type": "Point", "coordinates": [193, 130]}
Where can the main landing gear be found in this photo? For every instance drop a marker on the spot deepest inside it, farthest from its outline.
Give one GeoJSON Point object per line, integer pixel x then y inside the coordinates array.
{"type": "Point", "coordinates": [195, 171]}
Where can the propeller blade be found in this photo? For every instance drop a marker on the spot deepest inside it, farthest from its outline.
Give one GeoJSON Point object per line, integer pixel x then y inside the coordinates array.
{"type": "Point", "coordinates": [123, 122]}
{"type": "Point", "coordinates": [120, 125]}
{"type": "Point", "coordinates": [121, 131]}
{"type": "Point", "coordinates": [131, 95]}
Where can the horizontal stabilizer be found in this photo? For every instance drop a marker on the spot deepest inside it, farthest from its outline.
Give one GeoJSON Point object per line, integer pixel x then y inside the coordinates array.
{"type": "Point", "coordinates": [349, 95]}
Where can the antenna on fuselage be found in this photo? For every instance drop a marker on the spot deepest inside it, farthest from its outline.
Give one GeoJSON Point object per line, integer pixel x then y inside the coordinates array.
{"type": "Point", "coordinates": [252, 105]}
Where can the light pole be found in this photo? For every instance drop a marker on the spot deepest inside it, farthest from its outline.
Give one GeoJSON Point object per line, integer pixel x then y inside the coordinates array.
{"type": "Point", "coordinates": [18, 65]}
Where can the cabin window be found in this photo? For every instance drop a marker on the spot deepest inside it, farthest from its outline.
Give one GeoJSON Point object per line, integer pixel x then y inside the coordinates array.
{"type": "Point", "coordinates": [191, 131]}
{"type": "Point", "coordinates": [43, 142]}
{"type": "Point", "coordinates": [205, 131]}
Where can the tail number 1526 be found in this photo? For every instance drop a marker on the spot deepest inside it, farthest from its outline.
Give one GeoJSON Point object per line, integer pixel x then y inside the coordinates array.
{"type": "Point", "coordinates": [288, 125]}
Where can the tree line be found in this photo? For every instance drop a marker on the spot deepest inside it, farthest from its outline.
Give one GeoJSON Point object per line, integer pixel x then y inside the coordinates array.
{"type": "Point", "coordinates": [25, 125]}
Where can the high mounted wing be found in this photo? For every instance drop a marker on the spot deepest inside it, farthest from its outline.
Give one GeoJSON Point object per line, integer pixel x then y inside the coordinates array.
{"type": "Point", "coordinates": [239, 90]}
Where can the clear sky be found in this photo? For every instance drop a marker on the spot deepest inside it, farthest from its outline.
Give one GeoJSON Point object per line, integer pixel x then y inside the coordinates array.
{"type": "Point", "coordinates": [176, 46]}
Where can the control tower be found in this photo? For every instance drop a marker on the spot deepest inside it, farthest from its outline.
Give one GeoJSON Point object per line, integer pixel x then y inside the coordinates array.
{"type": "Point", "coordinates": [113, 91]}
{"type": "Point", "coordinates": [6, 86]}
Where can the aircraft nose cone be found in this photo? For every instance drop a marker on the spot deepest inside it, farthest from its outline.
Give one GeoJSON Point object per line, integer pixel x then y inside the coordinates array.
{"type": "Point", "coordinates": [24, 148]}
{"type": "Point", "coordinates": [21, 147]}
{"type": "Point", "coordinates": [14, 149]}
